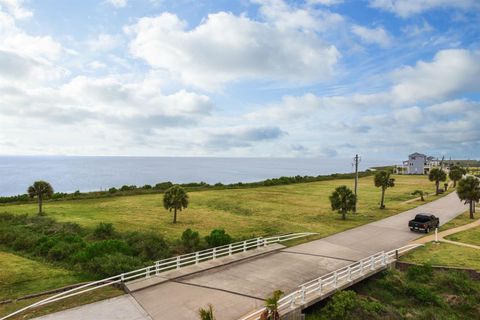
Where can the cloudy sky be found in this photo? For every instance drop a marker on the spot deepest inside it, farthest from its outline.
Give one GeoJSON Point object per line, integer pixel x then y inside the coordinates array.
{"type": "Point", "coordinates": [266, 78]}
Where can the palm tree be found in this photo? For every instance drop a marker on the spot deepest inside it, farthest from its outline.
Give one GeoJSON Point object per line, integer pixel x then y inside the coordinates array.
{"type": "Point", "coordinates": [419, 193]}
{"type": "Point", "coordinates": [175, 198]}
{"type": "Point", "coordinates": [343, 200]}
{"type": "Point", "coordinates": [382, 180]}
{"type": "Point", "coordinates": [468, 190]}
{"type": "Point", "coordinates": [437, 175]}
{"type": "Point", "coordinates": [41, 190]}
{"type": "Point", "coordinates": [206, 314]}
{"type": "Point", "coordinates": [271, 306]}
{"type": "Point", "coordinates": [456, 173]}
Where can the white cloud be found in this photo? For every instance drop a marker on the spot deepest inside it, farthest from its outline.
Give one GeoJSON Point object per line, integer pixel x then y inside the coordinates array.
{"type": "Point", "coordinates": [225, 48]}
{"type": "Point", "coordinates": [407, 8]}
{"type": "Point", "coordinates": [104, 42]}
{"type": "Point", "coordinates": [325, 2]}
{"type": "Point", "coordinates": [15, 8]}
{"type": "Point", "coordinates": [118, 3]}
{"type": "Point", "coordinates": [376, 35]}
{"type": "Point", "coordinates": [451, 72]}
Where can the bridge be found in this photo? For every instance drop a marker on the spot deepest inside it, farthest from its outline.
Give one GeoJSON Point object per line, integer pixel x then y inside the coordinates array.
{"type": "Point", "coordinates": [236, 284]}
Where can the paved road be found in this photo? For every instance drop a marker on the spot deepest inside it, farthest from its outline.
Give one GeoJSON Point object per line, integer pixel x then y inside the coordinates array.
{"type": "Point", "coordinates": [238, 288]}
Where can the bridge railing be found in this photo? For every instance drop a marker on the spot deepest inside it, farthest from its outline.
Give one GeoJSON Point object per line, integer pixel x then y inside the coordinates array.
{"type": "Point", "coordinates": [330, 282]}
{"type": "Point", "coordinates": [167, 265]}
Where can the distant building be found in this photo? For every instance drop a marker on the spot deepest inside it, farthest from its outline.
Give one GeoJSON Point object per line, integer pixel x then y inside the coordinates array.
{"type": "Point", "coordinates": [417, 163]}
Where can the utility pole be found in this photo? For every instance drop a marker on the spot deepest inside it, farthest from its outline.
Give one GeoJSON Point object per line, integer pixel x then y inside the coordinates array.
{"type": "Point", "coordinates": [356, 160]}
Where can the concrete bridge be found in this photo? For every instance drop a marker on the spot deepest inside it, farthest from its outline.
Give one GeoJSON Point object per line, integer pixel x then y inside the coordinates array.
{"type": "Point", "coordinates": [237, 285]}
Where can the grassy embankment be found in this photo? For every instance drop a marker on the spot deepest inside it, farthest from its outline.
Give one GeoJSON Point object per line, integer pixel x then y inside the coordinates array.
{"type": "Point", "coordinates": [419, 293]}
{"type": "Point", "coordinates": [20, 276]}
{"type": "Point", "coordinates": [241, 212]}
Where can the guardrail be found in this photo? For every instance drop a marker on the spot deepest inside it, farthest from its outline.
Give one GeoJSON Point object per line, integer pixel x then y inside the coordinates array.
{"type": "Point", "coordinates": [330, 282]}
{"type": "Point", "coordinates": [168, 264]}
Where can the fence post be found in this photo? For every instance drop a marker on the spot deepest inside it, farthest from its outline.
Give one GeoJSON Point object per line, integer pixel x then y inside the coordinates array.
{"type": "Point", "coordinates": [264, 242]}
{"type": "Point", "coordinates": [214, 253]}
{"type": "Point", "coordinates": [320, 285]}
{"type": "Point", "coordinates": [197, 258]}
{"type": "Point", "coordinates": [436, 235]}
{"type": "Point", "coordinates": [349, 274]}
{"type": "Point", "coordinates": [303, 294]}
{"type": "Point", "coordinates": [244, 246]}
{"type": "Point", "coordinates": [372, 263]}
{"type": "Point", "coordinates": [292, 302]}
{"type": "Point", "coordinates": [335, 279]}
{"type": "Point", "coordinates": [157, 267]}
{"type": "Point", "coordinates": [178, 262]}
{"type": "Point", "coordinates": [361, 266]}
{"type": "Point", "coordinates": [384, 260]}
{"type": "Point", "coordinates": [122, 277]}
{"type": "Point", "coordinates": [230, 249]}
{"type": "Point", "coordinates": [147, 272]}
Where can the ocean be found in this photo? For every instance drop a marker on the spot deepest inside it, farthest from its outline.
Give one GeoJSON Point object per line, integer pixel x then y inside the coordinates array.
{"type": "Point", "coordinates": [71, 173]}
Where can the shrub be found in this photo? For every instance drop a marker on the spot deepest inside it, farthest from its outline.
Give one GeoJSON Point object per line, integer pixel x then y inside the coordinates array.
{"type": "Point", "coordinates": [149, 246]}
{"type": "Point", "coordinates": [218, 237]}
{"type": "Point", "coordinates": [147, 187]}
{"type": "Point", "coordinates": [190, 240]}
{"type": "Point", "coordinates": [62, 250]}
{"type": "Point", "coordinates": [104, 231]}
{"type": "Point", "coordinates": [112, 190]}
{"type": "Point", "coordinates": [420, 273]}
{"type": "Point", "coordinates": [111, 264]}
{"type": "Point", "coordinates": [163, 185]}
{"type": "Point", "coordinates": [101, 248]}
{"type": "Point", "coordinates": [423, 294]}
{"type": "Point", "coordinates": [348, 305]}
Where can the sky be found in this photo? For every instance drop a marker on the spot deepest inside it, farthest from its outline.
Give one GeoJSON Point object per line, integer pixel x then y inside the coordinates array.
{"type": "Point", "coordinates": [245, 78]}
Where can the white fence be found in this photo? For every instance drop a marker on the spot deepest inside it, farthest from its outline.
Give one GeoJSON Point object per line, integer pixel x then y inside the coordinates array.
{"type": "Point", "coordinates": [168, 264]}
{"type": "Point", "coordinates": [330, 282]}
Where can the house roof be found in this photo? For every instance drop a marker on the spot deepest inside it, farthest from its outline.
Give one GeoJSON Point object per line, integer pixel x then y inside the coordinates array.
{"type": "Point", "coordinates": [416, 154]}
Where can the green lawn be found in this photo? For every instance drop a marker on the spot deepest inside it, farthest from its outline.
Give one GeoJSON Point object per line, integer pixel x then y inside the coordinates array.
{"type": "Point", "coordinates": [471, 236]}
{"type": "Point", "coordinates": [459, 221]}
{"type": "Point", "coordinates": [20, 276]}
{"type": "Point", "coordinates": [242, 212]}
{"type": "Point", "coordinates": [445, 254]}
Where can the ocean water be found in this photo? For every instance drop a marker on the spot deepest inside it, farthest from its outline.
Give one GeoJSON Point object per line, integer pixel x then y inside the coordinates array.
{"type": "Point", "coordinates": [70, 173]}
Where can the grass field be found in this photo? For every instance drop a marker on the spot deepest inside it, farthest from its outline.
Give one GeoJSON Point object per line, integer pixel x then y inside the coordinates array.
{"type": "Point", "coordinates": [20, 276]}
{"type": "Point", "coordinates": [241, 212]}
{"type": "Point", "coordinates": [471, 236]}
{"type": "Point", "coordinates": [459, 221]}
{"type": "Point", "coordinates": [445, 254]}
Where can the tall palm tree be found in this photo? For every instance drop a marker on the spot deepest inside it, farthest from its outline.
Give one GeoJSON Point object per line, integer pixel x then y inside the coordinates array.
{"type": "Point", "coordinates": [175, 198]}
{"type": "Point", "coordinates": [343, 200]}
{"type": "Point", "coordinates": [271, 306]}
{"type": "Point", "coordinates": [41, 190]}
{"type": "Point", "coordinates": [206, 314]}
{"type": "Point", "coordinates": [468, 190]}
{"type": "Point", "coordinates": [437, 175]}
{"type": "Point", "coordinates": [456, 173]}
{"type": "Point", "coordinates": [382, 180]}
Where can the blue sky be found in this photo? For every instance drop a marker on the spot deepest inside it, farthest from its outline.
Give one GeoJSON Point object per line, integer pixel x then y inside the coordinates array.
{"type": "Point", "coordinates": [261, 78]}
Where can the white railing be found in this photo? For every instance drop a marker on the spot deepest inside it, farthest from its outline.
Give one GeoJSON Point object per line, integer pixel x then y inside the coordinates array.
{"type": "Point", "coordinates": [330, 282]}
{"type": "Point", "coordinates": [168, 264]}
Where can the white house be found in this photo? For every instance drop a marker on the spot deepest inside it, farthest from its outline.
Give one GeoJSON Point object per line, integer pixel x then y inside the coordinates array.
{"type": "Point", "coordinates": [417, 163]}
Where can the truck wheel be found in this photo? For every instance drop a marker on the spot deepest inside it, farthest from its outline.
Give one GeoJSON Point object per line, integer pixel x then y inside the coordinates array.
{"type": "Point", "coordinates": [427, 230]}
{"type": "Point", "coordinates": [411, 229]}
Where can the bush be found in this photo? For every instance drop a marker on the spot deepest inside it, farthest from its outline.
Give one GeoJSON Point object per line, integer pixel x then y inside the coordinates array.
{"type": "Point", "coordinates": [147, 187]}
{"type": "Point", "coordinates": [218, 237]}
{"type": "Point", "coordinates": [348, 305]}
{"type": "Point", "coordinates": [163, 185]}
{"type": "Point", "coordinates": [101, 248]}
{"type": "Point", "coordinates": [423, 294]}
{"type": "Point", "coordinates": [25, 241]}
{"type": "Point", "coordinates": [112, 190]}
{"type": "Point", "coordinates": [104, 231]}
{"type": "Point", "coordinates": [420, 273]}
{"type": "Point", "coordinates": [190, 240]}
{"type": "Point", "coordinates": [148, 246]}
{"type": "Point", "coordinates": [62, 250]}
{"type": "Point", "coordinates": [111, 265]}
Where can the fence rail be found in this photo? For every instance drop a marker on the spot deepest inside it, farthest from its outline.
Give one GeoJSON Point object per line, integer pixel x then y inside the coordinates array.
{"type": "Point", "coordinates": [330, 282]}
{"type": "Point", "coordinates": [167, 265]}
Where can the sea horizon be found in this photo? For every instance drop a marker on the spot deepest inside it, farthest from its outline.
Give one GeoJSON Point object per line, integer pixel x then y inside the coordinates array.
{"type": "Point", "coordinates": [68, 173]}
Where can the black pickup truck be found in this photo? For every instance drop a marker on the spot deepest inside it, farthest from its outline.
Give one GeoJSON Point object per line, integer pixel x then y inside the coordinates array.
{"type": "Point", "coordinates": [424, 222]}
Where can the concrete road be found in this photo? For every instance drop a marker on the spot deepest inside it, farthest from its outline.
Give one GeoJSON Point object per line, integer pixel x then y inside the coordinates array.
{"type": "Point", "coordinates": [238, 288]}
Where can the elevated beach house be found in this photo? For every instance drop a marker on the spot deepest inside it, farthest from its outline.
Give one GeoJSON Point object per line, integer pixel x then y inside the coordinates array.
{"type": "Point", "coordinates": [417, 163]}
